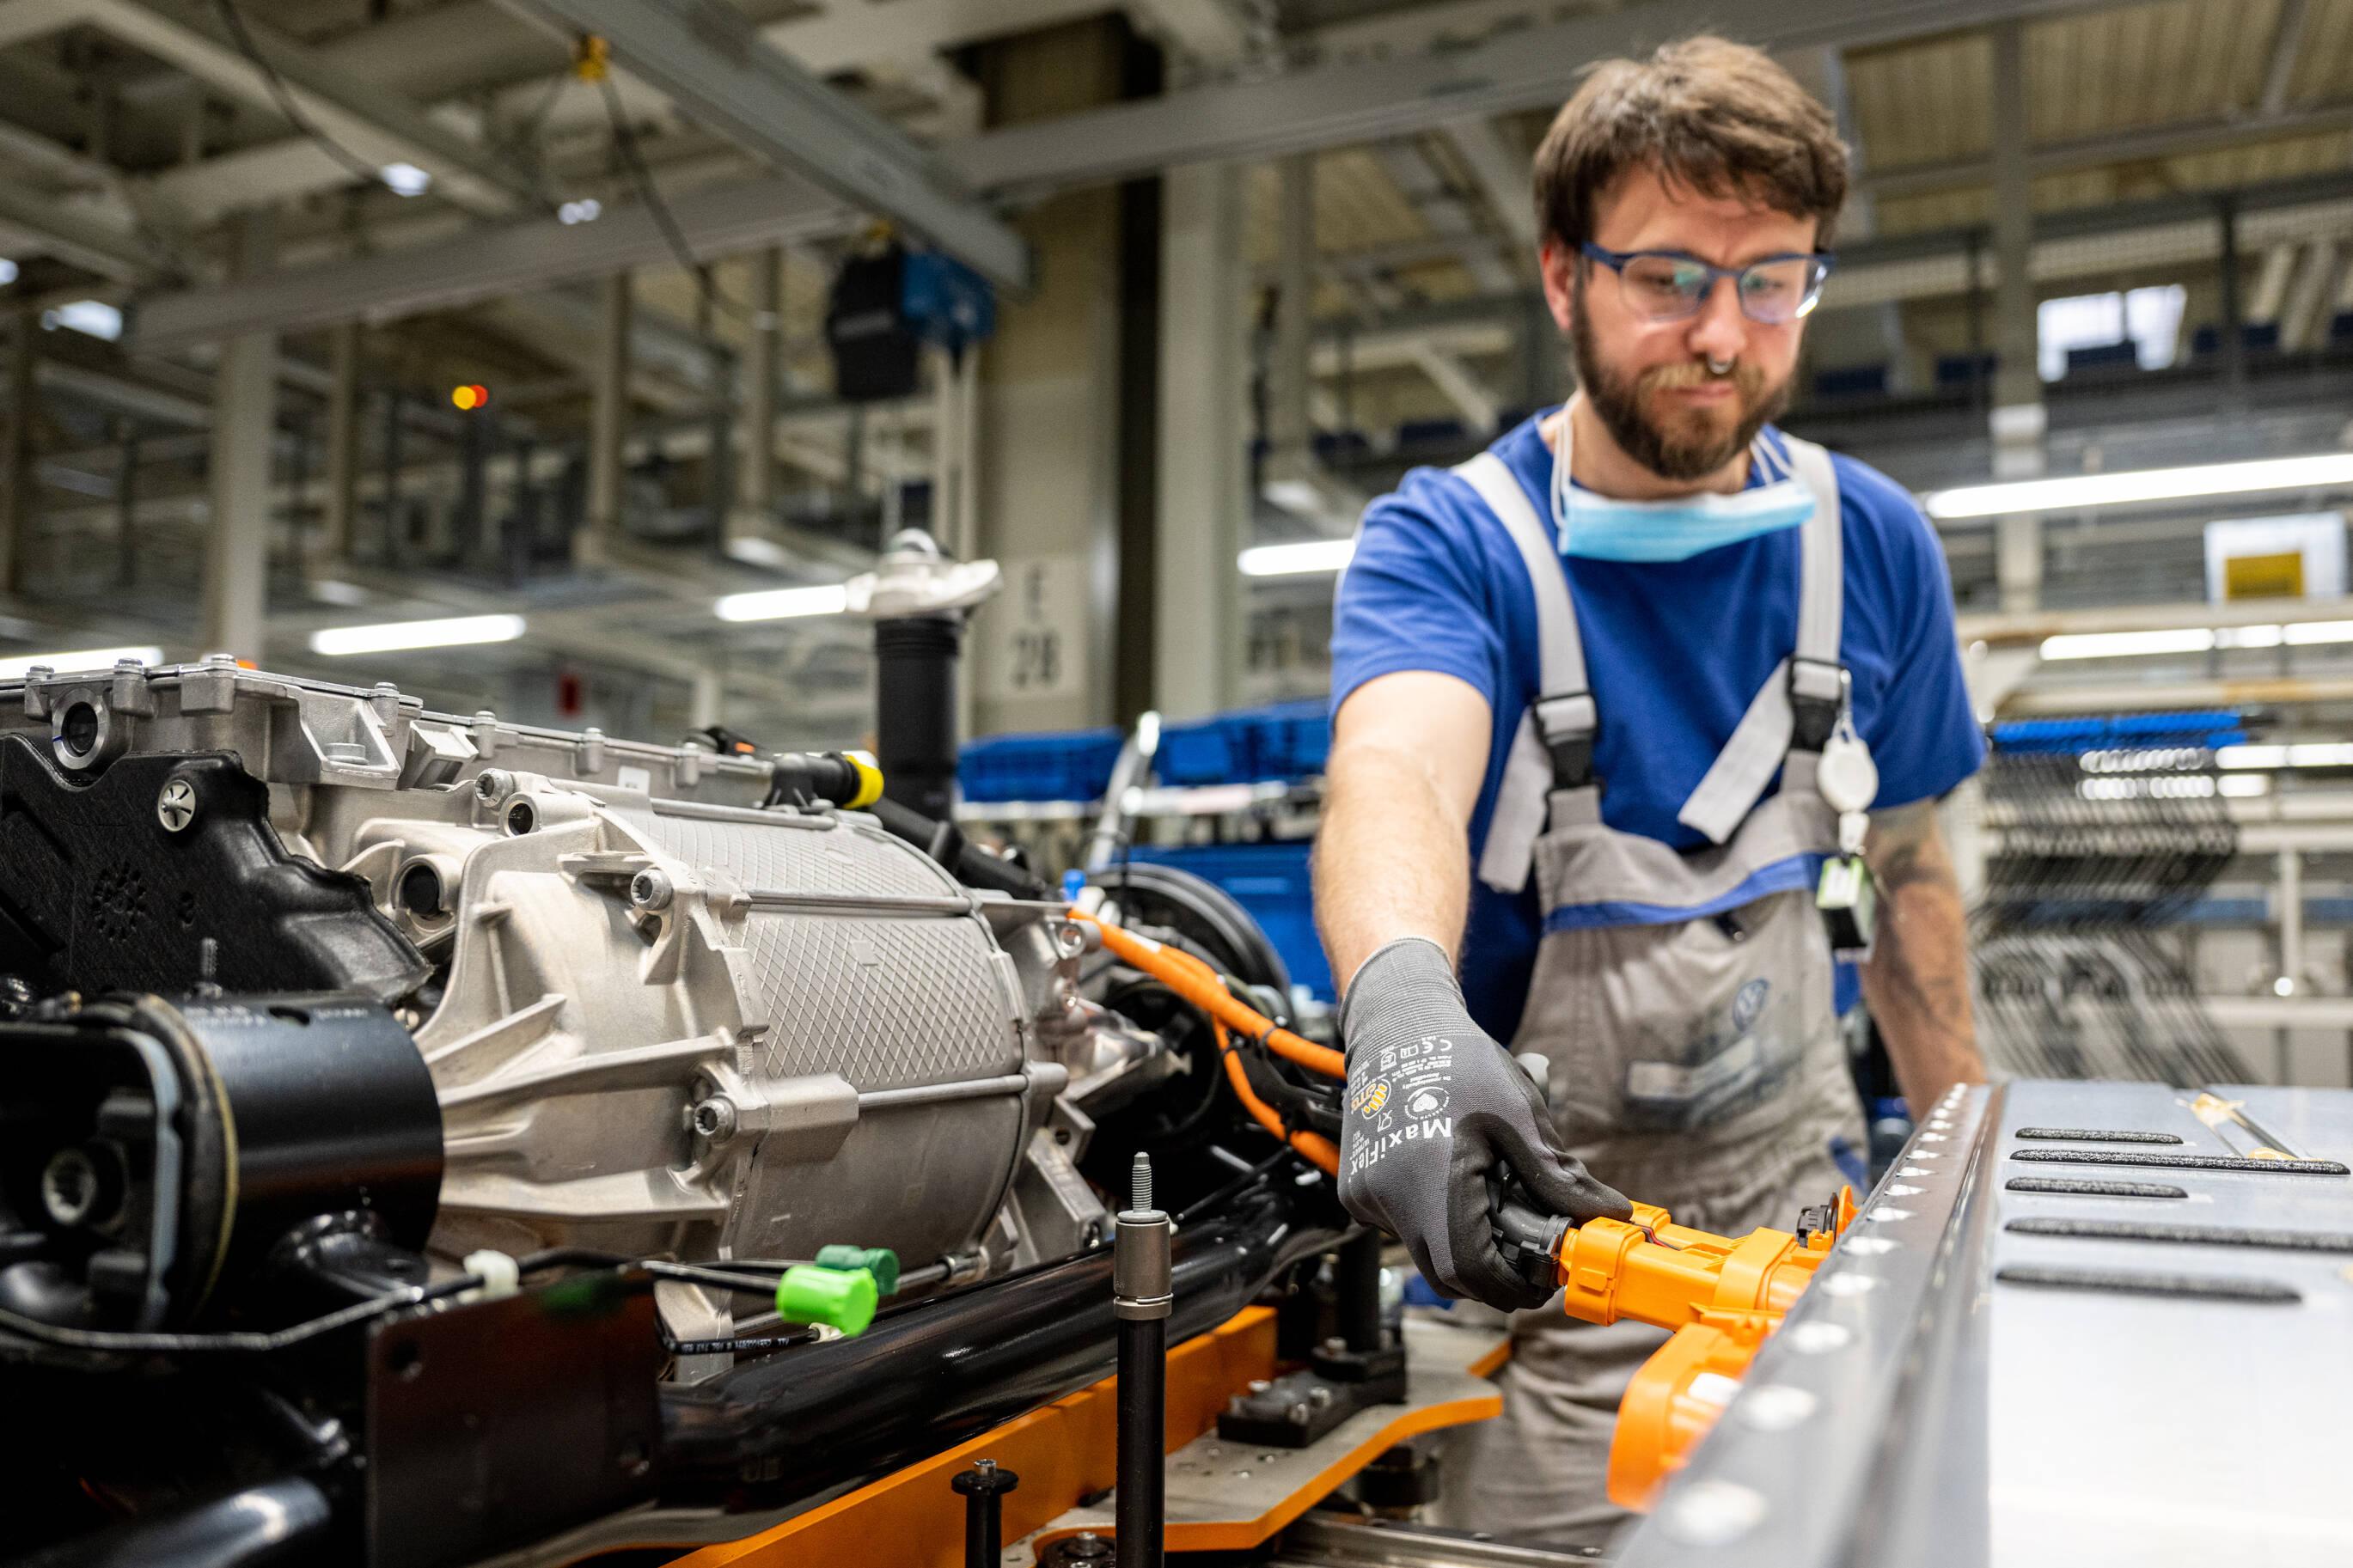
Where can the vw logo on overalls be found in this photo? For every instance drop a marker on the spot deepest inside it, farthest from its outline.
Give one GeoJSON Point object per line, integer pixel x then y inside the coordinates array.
{"type": "Point", "coordinates": [1747, 1004]}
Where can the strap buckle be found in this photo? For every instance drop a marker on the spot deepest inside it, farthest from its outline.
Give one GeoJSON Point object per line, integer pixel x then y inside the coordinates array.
{"type": "Point", "coordinates": [1817, 696]}
{"type": "Point", "coordinates": [1567, 722]}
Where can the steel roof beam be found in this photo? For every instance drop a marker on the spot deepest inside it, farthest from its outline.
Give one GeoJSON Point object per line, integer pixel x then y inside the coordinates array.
{"type": "Point", "coordinates": [72, 233]}
{"type": "Point", "coordinates": [721, 73]}
{"type": "Point", "coordinates": [2155, 141]}
{"type": "Point", "coordinates": [379, 127]}
{"type": "Point", "coordinates": [513, 258]}
{"type": "Point", "coordinates": [1377, 100]}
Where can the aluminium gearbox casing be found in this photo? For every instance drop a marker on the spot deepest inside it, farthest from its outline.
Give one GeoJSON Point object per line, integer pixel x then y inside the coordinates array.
{"type": "Point", "coordinates": [659, 1019]}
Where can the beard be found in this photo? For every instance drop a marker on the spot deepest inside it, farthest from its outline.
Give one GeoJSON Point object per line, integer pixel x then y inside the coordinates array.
{"type": "Point", "coordinates": [1688, 443]}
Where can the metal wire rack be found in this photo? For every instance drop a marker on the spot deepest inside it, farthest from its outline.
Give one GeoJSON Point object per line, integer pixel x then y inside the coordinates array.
{"type": "Point", "coordinates": [2104, 831]}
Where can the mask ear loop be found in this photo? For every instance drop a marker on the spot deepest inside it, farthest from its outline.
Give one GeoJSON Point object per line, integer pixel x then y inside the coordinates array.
{"type": "Point", "coordinates": [1560, 484]}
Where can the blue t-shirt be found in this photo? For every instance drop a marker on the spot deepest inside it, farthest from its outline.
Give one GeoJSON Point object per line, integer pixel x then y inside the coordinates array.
{"type": "Point", "coordinates": [1673, 653]}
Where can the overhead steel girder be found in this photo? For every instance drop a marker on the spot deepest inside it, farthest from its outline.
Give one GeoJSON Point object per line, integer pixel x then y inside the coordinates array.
{"type": "Point", "coordinates": [1527, 67]}
{"type": "Point", "coordinates": [1323, 107]}
{"type": "Point", "coordinates": [378, 126]}
{"type": "Point", "coordinates": [513, 258]}
{"type": "Point", "coordinates": [2152, 141]}
{"type": "Point", "coordinates": [80, 237]}
{"type": "Point", "coordinates": [713, 65]}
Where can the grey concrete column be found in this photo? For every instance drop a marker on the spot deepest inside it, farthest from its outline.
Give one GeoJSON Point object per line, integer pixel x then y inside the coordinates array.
{"type": "Point", "coordinates": [1204, 429]}
{"type": "Point", "coordinates": [608, 422]}
{"type": "Point", "coordinates": [706, 704]}
{"type": "Point", "coordinates": [1289, 375]}
{"type": "Point", "coordinates": [1046, 476]}
{"type": "Point", "coordinates": [763, 364]}
{"type": "Point", "coordinates": [335, 542]}
{"type": "Point", "coordinates": [17, 486]}
{"type": "Point", "coordinates": [245, 400]}
{"type": "Point", "coordinates": [2017, 420]}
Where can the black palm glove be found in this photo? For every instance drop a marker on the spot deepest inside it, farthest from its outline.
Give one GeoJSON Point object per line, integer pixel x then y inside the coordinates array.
{"type": "Point", "coordinates": [1433, 1106]}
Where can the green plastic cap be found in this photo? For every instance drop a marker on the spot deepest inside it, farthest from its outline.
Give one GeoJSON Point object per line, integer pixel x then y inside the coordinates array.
{"type": "Point", "coordinates": [880, 1261]}
{"type": "Point", "coordinates": [843, 1299]}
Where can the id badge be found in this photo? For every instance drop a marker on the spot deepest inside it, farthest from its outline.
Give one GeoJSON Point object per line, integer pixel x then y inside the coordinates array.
{"type": "Point", "coordinates": [1850, 906]}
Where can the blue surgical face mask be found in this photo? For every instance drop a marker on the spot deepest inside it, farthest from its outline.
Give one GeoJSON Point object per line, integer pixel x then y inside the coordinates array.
{"type": "Point", "coordinates": [1601, 528]}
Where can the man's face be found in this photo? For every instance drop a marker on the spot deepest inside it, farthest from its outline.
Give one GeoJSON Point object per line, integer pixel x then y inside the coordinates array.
{"type": "Point", "coordinates": [1651, 381]}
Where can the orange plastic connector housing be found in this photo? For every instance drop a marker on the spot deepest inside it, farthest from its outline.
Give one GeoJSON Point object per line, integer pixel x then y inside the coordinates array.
{"type": "Point", "coordinates": [1655, 1271]}
{"type": "Point", "coordinates": [1676, 1397]}
{"type": "Point", "coordinates": [1720, 1296]}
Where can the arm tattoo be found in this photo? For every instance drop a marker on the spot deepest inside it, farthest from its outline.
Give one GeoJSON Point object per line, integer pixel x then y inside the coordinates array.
{"type": "Point", "coordinates": [1917, 979]}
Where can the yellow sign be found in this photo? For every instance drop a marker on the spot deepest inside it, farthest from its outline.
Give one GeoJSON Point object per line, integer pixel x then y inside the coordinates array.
{"type": "Point", "coordinates": [2279, 576]}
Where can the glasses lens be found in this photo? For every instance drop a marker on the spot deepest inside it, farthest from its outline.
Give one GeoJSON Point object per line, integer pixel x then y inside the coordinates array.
{"type": "Point", "coordinates": [1783, 290]}
{"type": "Point", "coordinates": [1662, 287]}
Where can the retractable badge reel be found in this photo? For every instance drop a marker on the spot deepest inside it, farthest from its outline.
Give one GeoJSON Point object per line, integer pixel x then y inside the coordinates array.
{"type": "Point", "coordinates": [1849, 781]}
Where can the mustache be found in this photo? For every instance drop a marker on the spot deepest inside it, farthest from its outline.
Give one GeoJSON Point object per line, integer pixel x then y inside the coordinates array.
{"type": "Point", "coordinates": [1746, 377]}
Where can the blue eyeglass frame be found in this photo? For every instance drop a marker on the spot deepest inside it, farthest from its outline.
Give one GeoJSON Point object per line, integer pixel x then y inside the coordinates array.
{"type": "Point", "coordinates": [1616, 261]}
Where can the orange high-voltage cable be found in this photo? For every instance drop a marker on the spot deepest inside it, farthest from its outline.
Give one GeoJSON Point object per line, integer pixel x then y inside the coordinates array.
{"type": "Point", "coordinates": [1200, 985]}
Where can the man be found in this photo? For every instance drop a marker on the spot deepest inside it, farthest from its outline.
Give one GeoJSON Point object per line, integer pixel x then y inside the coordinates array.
{"type": "Point", "coordinates": [1655, 590]}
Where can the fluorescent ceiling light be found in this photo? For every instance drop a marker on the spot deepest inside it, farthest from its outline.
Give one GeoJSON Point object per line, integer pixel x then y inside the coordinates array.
{"type": "Point", "coordinates": [2244, 786]}
{"type": "Point", "coordinates": [404, 179]}
{"type": "Point", "coordinates": [336, 591]}
{"type": "Point", "coordinates": [2312, 754]}
{"type": "Point", "coordinates": [757, 551]}
{"type": "Point", "coordinates": [587, 209]}
{"type": "Point", "coordinates": [2194, 640]}
{"type": "Point", "coordinates": [7, 271]}
{"type": "Point", "coordinates": [94, 317]}
{"type": "Point", "coordinates": [15, 666]}
{"type": "Point", "coordinates": [2118, 645]}
{"type": "Point", "coordinates": [390, 637]}
{"type": "Point", "coordinates": [1295, 496]}
{"type": "Point", "coordinates": [1297, 560]}
{"type": "Point", "coordinates": [2078, 491]}
{"type": "Point", "coordinates": [783, 603]}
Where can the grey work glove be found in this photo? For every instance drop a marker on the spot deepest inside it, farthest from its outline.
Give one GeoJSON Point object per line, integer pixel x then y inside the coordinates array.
{"type": "Point", "coordinates": [1433, 1105]}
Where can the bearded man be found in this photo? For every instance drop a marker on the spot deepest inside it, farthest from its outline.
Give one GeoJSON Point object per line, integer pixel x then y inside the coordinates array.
{"type": "Point", "coordinates": [1750, 643]}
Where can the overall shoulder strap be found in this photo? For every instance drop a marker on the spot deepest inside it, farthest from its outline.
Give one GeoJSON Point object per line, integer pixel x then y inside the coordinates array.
{"type": "Point", "coordinates": [1815, 683]}
{"type": "Point", "coordinates": [1797, 706]}
{"type": "Point", "coordinates": [1552, 748]}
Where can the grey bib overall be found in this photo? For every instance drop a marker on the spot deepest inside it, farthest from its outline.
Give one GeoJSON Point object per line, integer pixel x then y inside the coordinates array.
{"type": "Point", "coordinates": [1684, 1002]}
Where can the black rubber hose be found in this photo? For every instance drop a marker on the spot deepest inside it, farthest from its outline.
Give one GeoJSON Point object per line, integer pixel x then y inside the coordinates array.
{"type": "Point", "coordinates": [1299, 1108]}
{"type": "Point", "coordinates": [277, 1522]}
{"type": "Point", "coordinates": [965, 861]}
{"type": "Point", "coordinates": [931, 1375]}
{"type": "Point", "coordinates": [915, 721]}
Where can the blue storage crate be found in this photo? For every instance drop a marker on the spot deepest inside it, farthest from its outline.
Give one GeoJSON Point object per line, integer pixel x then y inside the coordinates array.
{"type": "Point", "coordinates": [1851, 380]}
{"type": "Point", "coordinates": [2103, 358]}
{"type": "Point", "coordinates": [1281, 741]}
{"type": "Point", "coordinates": [1957, 372]}
{"type": "Point", "coordinates": [1210, 751]}
{"type": "Point", "coordinates": [1270, 882]}
{"type": "Point", "coordinates": [1072, 764]}
{"type": "Point", "coordinates": [1291, 740]}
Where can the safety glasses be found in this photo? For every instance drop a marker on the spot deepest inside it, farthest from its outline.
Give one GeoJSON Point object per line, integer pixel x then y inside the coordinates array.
{"type": "Point", "coordinates": [1670, 286]}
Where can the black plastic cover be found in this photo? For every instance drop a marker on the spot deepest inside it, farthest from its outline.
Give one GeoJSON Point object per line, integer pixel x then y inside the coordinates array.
{"type": "Point", "coordinates": [96, 895]}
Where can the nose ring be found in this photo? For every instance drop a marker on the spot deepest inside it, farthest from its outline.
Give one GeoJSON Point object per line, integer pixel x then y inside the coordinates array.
{"type": "Point", "coordinates": [1719, 367]}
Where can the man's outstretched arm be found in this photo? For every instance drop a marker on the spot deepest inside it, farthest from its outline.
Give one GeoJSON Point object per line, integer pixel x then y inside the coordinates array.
{"type": "Point", "coordinates": [1392, 881]}
{"type": "Point", "coordinates": [1408, 754]}
{"type": "Point", "coordinates": [1917, 978]}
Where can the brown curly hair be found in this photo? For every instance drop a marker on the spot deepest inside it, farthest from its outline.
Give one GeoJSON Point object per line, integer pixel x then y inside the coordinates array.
{"type": "Point", "coordinates": [1707, 114]}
